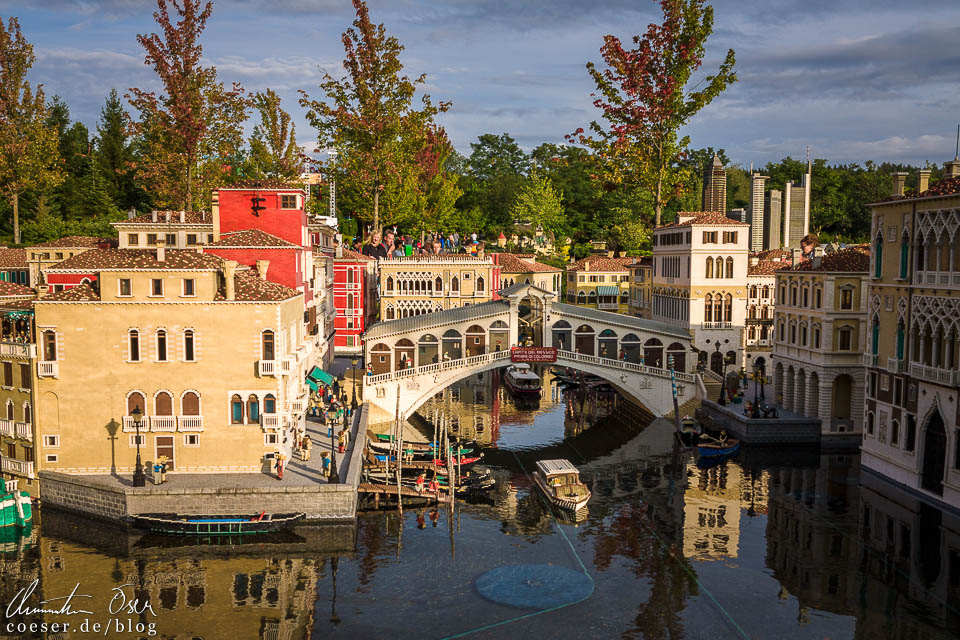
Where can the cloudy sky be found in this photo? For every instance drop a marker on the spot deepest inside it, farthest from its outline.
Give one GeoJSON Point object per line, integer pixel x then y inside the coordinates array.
{"type": "Point", "coordinates": [853, 80]}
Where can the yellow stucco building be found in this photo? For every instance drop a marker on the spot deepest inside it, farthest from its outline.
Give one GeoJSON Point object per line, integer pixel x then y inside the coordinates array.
{"type": "Point", "coordinates": [416, 285]}
{"type": "Point", "coordinates": [641, 287]}
{"type": "Point", "coordinates": [599, 282]}
{"type": "Point", "coordinates": [210, 354]}
{"type": "Point", "coordinates": [18, 353]}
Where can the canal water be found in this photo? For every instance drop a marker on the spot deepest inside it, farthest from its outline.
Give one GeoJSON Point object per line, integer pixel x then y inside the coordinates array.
{"type": "Point", "coordinates": [775, 543]}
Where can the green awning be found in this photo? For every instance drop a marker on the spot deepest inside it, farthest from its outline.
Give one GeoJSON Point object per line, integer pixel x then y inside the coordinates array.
{"type": "Point", "coordinates": [320, 376]}
{"type": "Point", "coordinates": [313, 385]}
{"type": "Point", "coordinates": [607, 290]}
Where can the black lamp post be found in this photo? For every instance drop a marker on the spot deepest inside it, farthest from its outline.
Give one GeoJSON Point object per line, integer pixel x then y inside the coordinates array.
{"type": "Point", "coordinates": [763, 376]}
{"type": "Point", "coordinates": [334, 476]}
{"type": "Point", "coordinates": [139, 480]}
{"type": "Point", "coordinates": [756, 386]}
{"type": "Point", "coordinates": [723, 388]}
{"type": "Point", "coordinates": [353, 401]}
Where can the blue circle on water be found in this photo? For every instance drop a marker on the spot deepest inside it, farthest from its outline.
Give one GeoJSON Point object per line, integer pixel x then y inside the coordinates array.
{"type": "Point", "coordinates": [534, 586]}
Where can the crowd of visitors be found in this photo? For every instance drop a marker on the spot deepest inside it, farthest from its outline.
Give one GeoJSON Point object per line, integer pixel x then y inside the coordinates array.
{"type": "Point", "coordinates": [391, 245]}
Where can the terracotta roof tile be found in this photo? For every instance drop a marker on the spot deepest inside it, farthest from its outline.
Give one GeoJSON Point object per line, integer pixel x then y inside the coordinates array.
{"type": "Point", "coordinates": [851, 259]}
{"type": "Point", "coordinates": [72, 241]}
{"type": "Point", "coordinates": [774, 254]}
{"type": "Point", "coordinates": [189, 217]}
{"type": "Point", "coordinates": [350, 254]}
{"type": "Point", "coordinates": [266, 184]}
{"type": "Point", "coordinates": [942, 187]}
{"type": "Point", "coordinates": [81, 293]}
{"type": "Point", "coordinates": [14, 289]}
{"type": "Point", "coordinates": [13, 258]}
{"type": "Point", "coordinates": [17, 303]}
{"type": "Point", "coordinates": [512, 263]}
{"type": "Point", "coordinates": [702, 217]}
{"type": "Point", "coordinates": [125, 259]}
{"type": "Point", "coordinates": [642, 261]}
{"type": "Point", "coordinates": [251, 288]}
{"type": "Point", "coordinates": [250, 238]}
{"type": "Point", "coordinates": [602, 263]}
{"type": "Point", "coordinates": [766, 267]}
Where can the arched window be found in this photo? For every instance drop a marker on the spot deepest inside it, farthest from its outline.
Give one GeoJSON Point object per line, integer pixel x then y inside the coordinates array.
{"type": "Point", "coordinates": [134, 340]}
{"type": "Point", "coordinates": [708, 308]}
{"type": "Point", "coordinates": [805, 297]}
{"type": "Point", "coordinates": [718, 268]}
{"type": "Point", "coordinates": [480, 283]}
{"type": "Point", "coordinates": [10, 410]}
{"type": "Point", "coordinates": [581, 297]}
{"type": "Point", "coordinates": [136, 401]}
{"type": "Point", "coordinates": [349, 302]}
{"type": "Point", "coordinates": [350, 276]}
{"type": "Point", "coordinates": [708, 271]}
{"type": "Point", "coordinates": [901, 334]}
{"type": "Point", "coordinates": [728, 308]}
{"type": "Point", "coordinates": [49, 346]}
{"type": "Point", "coordinates": [752, 314]}
{"type": "Point", "coordinates": [765, 292]}
{"type": "Point", "coordinates": [895, 433]}
{"type": "Point", "coordinates": [190, 404]}
{"type": "Point", "coordinates": [875, 335]}
{"type": "Point", "coordinates": [878, 256]}
{"type": "Point", "coordinates": [163, 404]}
{"type": "Point", "coordinates": [624, 297]}
{"type": "Point", "coordinates": [904, 254]}
{"type": "Point", "coordinates": [454, 284]}
{"type": "Point", "coordinates": [188, 350]}
{"type": "Point", "coordinates": [268, 344]}
{"type": "Point", "coordinates": [390, 313]}
{"type": "Point", "coordinates": [753, 291]}
{"type": "Point", "coordinates": [438, 285]}
{"type": "Point", "coordinates": [27, 413]}
{"type": "Point", "coordinates": [729, 267]}
{"type": "Point", "coordinates": [592, 297]}
{"type": "Point", "coordinates": [269, 404]}
{"type": "Point", "coordinates": [390, 284]}
{"type": "Point", "coordinates": [253, 409]}
{"type": "Point", "coordinates": [236, 409]}
{"type": "Point", "coordinates": [161, 345]}
{"type": "Point", "coordinates": [751, 333]}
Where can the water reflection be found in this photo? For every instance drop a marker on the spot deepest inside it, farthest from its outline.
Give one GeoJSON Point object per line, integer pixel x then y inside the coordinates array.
{"type": "Point", "coordinates": [776, 543]}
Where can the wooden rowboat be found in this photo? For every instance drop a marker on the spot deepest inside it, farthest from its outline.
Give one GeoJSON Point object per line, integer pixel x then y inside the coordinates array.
{"type": "Point", "coordinates": [204, 525]}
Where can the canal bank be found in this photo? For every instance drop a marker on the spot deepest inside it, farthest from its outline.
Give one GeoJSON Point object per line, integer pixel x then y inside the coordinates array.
{"type": "Point", "coordinates": [303, 489]}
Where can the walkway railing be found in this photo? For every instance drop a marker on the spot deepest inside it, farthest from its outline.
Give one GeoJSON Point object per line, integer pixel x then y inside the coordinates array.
{"type": "Point", "coordinates": [496, 356]}
{"type": "Point", "coordinates": [470, 361]}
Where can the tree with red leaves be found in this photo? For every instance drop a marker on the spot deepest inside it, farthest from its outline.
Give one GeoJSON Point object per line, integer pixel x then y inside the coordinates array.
{"type": "Point", "coordinates": [369, 119]}
{"type": "Point", "coordinates": [190, 130]}
{"type": "Point", "coordinates": [645, 100]}
{"type": "Point", "coordinates": [438, 190]}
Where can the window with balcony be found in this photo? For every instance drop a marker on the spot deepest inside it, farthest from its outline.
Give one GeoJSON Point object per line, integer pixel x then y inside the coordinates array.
{"type": "Point", "coordinates": [10, 410]}
{"type": "Point", "coordinates": [134, 343]}
{"type": "Point", "coordinates": [189, 287]}
{"type": "Point", "coordinates": [163, 404]}
{"type": "Point", "coordinates": [269, 404]}
{"type": "Point", "coordinates": [268, 351]}
{"type": "Point", "coordinates": [190, 404]}
{"type": "Point", "coordinates": [156, 287]}
{"type": "Point", "coordinates": [161, 346]}
{"type": "Point", "coordinates": [188, 347]}
{"type": "Point", "coordinates": [11, 448]}
{"type": "Point", "coordinates": [49, 346]}
{"type": "Point", "coordinates": [136, 401]}
{"type": "Point", "coordinates": [236, 409]}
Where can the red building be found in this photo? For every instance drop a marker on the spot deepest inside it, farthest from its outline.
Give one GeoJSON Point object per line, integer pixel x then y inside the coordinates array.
{"type": "Point", "coordinates": [354, 296]}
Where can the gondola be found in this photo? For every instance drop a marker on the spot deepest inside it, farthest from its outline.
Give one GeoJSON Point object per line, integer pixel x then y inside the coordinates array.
{"type": "Point", "coordinates": [462, 461]}
{"type": "Point", "coordinates": [205, 525]}
{"type": "Point", "coordinates": [708, 446]}
{"type": "Point", "coordinates": [418, 450]}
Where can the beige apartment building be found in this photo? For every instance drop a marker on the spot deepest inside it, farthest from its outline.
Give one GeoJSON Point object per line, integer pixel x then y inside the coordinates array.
{"type": "Point", "coordinates": [700, 283]}
{"type": "Point", "coordinates": [44, 255]}
{"type": "Point", "coordinates": [912, 432]}
{"type": "Point", "coordinates": [178, 229]}
{"type": "Point", "coordinates": [210, 354]}
{"type": "Point", "coordinates": [641, 287]}
{"type": "Point", "coordinates": [416, 285]}
{"type": "Point", "coordinates": [820, 335]}
{"type": "Point", "coordinates": [18, 353]}
{"type": "Point", "coordinates": [599, 282]}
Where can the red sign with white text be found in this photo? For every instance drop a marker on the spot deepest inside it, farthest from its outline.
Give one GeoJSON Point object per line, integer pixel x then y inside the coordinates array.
{"type": "Point", "coordinates": [533, 354]}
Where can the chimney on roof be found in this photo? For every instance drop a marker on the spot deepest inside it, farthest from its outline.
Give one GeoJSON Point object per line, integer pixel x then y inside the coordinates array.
{"type": "Point", "coordinates": [796, 256]}
{"type": "Point", "coordinates": [586, 265]}
{"type": "Point", "coordinates": [229, 271]}
{"type": "Point", "coordinates": [754, 261]}
{"type": "Point", "coordinates": [923, 180]}
{"type": "Point", "coordinates": [153, 215]}
{"type": "Point", "coordinates": [339, 253]}
{"type": "Point", "coordinates": [262, 268]}
{"type": "Point", "coordinates": [952, 169]}
{"type": "Point", "coordinates": [166, 216]}
{"type": "Point", "coordinates": [817, 257]}
{"type": "Point", "coordinates": [131, 213]}
{"type": "Point", "coordinates": [183, 217]}
{"type": "Point", "coordinates": [899, 182]}
{"type": "Point", "coordinates": [43, 290]}
{"type": "Point", "coordinates": [215, 211]}
{"type": "Point", "coordinates": [161, 248]}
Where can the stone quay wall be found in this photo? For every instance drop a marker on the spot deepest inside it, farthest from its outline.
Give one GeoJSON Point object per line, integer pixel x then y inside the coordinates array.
{"type": "Point", "coordinates": [321, 502]}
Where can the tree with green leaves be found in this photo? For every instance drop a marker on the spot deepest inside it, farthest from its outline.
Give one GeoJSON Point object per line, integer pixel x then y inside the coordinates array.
{"type": "Point", "coordinates": [29, 158]}
{"type": "Point", "coordinates": [369, 119]}
{"type": "Point", "coordinates": [539, 203]}
{"type": "Point", "coordinates": [645, 100]}
{"type": "Point", "coordinates": [438, 190]}
{"type": "Point", "coordinates": [116, 157]}
{"type": "Point", "coordinates": [192, 131]}
{"type": "Point", "coordinates": [496, 169]}
{"type": "Point", "coordinates": [274, 152]}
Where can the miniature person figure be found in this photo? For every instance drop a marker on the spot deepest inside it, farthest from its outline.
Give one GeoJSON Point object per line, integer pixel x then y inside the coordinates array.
{"type": "Point", "coordinates": [434, 486]}
{"type": "Point", "coordinates": [280, 461]}
{"type": "Point", "coordinates": [325, 460]}
{"type": "Point", "coordinates": [420, 479]}
{"type": "Point", "coordinates": [341, 441]}
{"type": "Point", "coordinates": [421, 521]}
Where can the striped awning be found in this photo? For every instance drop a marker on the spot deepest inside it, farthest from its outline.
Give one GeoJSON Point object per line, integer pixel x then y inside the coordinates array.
{"type": "Point", "coordinates": [607, 290]}
{"type": "Point", "coordinates": [319, 376]}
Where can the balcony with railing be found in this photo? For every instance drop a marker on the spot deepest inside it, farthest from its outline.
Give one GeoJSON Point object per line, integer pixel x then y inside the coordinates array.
{"type": "Point", "coordinates": [7, 428]}
{"type": "Point", "coordinates": [608, 306]}
{"type": "Point", "coordinates": [896, 365]}
{"type": "Point", "coordinates": [937, 278]}
{"type": "Point", "coordinates": [934, 374]}
{"type": "Point", "coordinates": [270, 420]}
{"type": "Point", "coordinates": [267, 367]}
{"type": "Point", "coordinates": [48, 369]}
{"type": "Point", "coordinates": [130, 427]}
{"type": "Point", "coordinates": [716, 325]}
{"type": "Point", "coordinates": [287, 366]}
{"type": "Point", "coordinates": [299, 405]}
{"type": "Point", "coordinates": [23, 430]}
{"type": "Point", "coordinates": [17, 467]}
{"type": "Point", "coordinates": [10, 486]}
{"type": "Point", "coordinates": [871, 360]}
{"type": "Point", "coordinates": [163, 423]}
{"type": "Point", "coordinates": [15, 349]}
{"type": "Point", "coordinates": [190, 423]}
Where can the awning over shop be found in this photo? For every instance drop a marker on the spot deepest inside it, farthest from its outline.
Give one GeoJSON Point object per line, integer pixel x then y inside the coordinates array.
{"type": "Point", "coordinates": [607, 290]}
{"type": "Point", "coordinates": [319, 376]}
{"type": "Point", "coordinates": [313, 385]}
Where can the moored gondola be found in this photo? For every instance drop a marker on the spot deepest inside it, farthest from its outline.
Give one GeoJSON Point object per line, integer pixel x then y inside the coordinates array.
{"type": "Point", "coordinates": [205, 525]}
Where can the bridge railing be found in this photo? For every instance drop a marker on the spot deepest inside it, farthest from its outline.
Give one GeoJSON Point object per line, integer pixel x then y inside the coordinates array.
{"type": "Point", "coordinates": [486, 358]}
{"type": "Point", "coordinates": [624, 365]}
{"type": "Point", "coordinates": [469, 361]}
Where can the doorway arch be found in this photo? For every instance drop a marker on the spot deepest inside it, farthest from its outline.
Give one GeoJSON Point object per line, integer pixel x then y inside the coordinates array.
{"type": "Point", "coordinates": [934, 453]}
{"type": "Point", "coordinates": [584, 337]}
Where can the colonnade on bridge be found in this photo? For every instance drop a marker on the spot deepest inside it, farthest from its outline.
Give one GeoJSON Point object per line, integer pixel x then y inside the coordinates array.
{"type": "Point", "coordinates": [413, 358]}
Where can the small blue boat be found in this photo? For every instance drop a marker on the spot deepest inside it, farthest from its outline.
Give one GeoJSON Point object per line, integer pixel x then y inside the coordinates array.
{"type": "Point", "coordinates": [709, 446]}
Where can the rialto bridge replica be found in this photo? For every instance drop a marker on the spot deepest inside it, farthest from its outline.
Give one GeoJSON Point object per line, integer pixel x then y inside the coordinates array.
{"type": "Point", "coordinates": [413, 358]}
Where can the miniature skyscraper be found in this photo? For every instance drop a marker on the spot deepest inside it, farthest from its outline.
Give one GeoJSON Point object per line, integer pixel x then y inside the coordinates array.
{"type": "Point", "coordinates": [715, 187]}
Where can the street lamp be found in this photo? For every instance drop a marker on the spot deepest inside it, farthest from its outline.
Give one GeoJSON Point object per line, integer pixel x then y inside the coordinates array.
{"type": "Point", "coordinates": [139, 480]}
{"type": "Point", "coordinates": [756, 386]}
{"type": "Point", "coordinates": [334, 476]}
{"type": "Point", "coordinates": [763, 376]}
{"type": "Point", "coordinates": [353, 401]}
